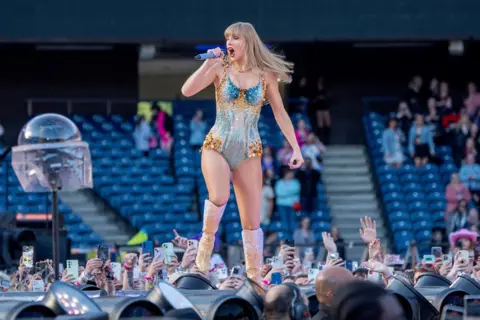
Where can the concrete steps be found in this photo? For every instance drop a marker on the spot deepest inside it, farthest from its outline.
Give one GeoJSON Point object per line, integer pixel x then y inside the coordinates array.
{"type": "Point", "coordinates": [351, 195]}
{"type": "Point", "coordinates": [101, 219]}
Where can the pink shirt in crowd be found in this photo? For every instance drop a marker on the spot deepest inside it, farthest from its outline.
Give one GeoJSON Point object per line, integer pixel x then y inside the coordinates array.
{"type": "Point", "coordinates": [455, 193]}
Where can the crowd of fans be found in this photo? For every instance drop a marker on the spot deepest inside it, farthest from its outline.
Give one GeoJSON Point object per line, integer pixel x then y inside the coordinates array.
{"type": "Point", "coordinates": [432, 116]}
{"type": "Point", "coordinates": [291, 265]}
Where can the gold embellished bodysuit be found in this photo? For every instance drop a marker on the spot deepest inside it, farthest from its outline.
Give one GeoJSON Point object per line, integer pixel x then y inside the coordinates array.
{"type": "Point", "coordinates": [235, 132]}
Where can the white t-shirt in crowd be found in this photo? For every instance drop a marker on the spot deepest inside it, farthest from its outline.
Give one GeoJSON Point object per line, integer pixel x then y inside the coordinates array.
{"type": "Point", "coordinates": [267, 194]}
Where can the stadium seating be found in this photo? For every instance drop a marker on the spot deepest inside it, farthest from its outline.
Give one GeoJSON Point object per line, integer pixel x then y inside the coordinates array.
{"type": "Point", "coordinates": [414, 198]}
{"type": "Point", "coordinates": [156, 193]}
{"type": "Point", "coordinates": [14, 200]}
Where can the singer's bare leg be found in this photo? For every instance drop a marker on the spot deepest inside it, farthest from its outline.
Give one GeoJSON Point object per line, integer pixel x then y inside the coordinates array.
{"type": "Point", "coordinates": [216, 173]}
{"type": "Point", "coordinates": [247, 183]}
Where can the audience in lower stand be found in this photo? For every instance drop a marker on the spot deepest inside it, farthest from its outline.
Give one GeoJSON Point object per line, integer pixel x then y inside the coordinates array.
{"type": "Point", "coordinates": [287, 191]}
{"type": "Point", "coordinates": [198, 130]}
{"type": "Point", "coordinates": [455, 192]}
{"type": "Point", "coordinates": [309, 178]}
{"type": "Point", "coordinates": [392, 144]}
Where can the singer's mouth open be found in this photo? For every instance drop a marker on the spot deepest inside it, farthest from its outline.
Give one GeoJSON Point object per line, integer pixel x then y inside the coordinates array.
{"type": "Point", "coordinates": [231, 52]}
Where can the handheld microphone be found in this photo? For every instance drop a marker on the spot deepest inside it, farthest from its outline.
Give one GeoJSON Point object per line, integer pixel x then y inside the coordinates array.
{"type": "Point", "coordinates": [205, 56]}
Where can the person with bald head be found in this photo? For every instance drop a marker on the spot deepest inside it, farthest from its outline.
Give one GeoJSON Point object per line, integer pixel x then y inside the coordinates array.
{"type": "Point", "coordinates": [279, 301]}
{"type": "Point", "coordinates": [327, 282]}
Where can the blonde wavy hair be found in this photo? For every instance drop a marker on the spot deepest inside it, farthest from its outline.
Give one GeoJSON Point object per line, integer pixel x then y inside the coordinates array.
{"type": "Point", "coordinates": [258, 55]}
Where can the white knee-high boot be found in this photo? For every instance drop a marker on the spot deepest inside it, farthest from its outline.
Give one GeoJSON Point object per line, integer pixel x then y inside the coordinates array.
{"type": "Point", "coordinates": [212, 215]}
{"type": "Point", "coordinates": [253, 249]}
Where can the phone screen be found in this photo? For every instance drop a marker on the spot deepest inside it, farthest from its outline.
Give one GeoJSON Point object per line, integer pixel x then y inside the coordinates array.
{"type": "Point", "coordinates": [147, 247]}
{"type": "Point", "coordinates": [102, 253]}
{"type": "Point", "coordinates": [437, 252]}
{"type": "Point", "coordinates": [290, 242]}
{"type": "Point", "coordinates": [27, 256]}
{"type": "Point", "coordinates": [276, 278]}
{"type": "Point", "coordinates": [349, 265]}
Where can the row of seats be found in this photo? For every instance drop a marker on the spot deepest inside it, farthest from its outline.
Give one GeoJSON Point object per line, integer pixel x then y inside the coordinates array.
{"type": "Point", "coordinates": [414, 198]}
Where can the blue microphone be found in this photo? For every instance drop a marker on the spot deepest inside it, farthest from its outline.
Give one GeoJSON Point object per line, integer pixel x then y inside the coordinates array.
{"type": "Point", "coordinates": [205, 56]}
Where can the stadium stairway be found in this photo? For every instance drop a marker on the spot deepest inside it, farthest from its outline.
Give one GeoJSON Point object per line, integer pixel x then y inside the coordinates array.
{"type": "Point", "coordinates": [102, 219]}
{"type": "Point", "coordinates": [351, 195]}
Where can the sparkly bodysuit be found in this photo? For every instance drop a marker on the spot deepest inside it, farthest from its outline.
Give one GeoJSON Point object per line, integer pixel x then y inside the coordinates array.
{"type": "Point", "coordinates": [235, 132]}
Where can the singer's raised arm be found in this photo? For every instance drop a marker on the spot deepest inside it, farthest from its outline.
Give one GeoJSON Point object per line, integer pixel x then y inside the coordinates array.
{"type": "Point", "coordinates": [209, 71]}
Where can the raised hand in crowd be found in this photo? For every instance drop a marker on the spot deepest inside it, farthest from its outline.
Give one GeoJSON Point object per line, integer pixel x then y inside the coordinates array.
{"type": "Point", "coordinates": [144, 261]}
{"type": "Point", "coordinates": [368, 232]}
{"type": "Point", "coordinates": [231, 283]}
{"type": "Point", "coordinates": [180, 241]}
{"type": "Point", "coordinates": [375, 251]}
{"type": "Point", "coordinates": [444, 269]}
{"type": "Point", "coordinates": [92, 264]}
{"type": "Point", "coordinates": [130, 259]}
{"type": "Point", "coordinates": [172, 266]}
{"type": "Point", "coordinates": [286, 252]}
{"type": "Point", "coordinates": [68, 278]}
{"type": "Point", "coordinates": [329, 243]}
{"type": "Point", "coordinates": [336, 262]}
{"type": "Point", "coordinates": [153, 269]}
{"type": "Point", "coordinates": [459, 265]}
{"type": "Point", "coordinates": [297, 267]}
{"type": "Point", "coordinates": [189, 257]}
{"type": "Point", "coordinates": [379, 267]}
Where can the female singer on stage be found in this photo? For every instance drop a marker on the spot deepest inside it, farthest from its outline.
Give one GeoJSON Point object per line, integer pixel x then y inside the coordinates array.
{"type": "Point", "coordinates": [244, 80]}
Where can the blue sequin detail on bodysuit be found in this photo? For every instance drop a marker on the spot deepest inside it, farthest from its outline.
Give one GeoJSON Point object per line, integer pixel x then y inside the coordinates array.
{"type": "Point", "coordinates": [235, 132]}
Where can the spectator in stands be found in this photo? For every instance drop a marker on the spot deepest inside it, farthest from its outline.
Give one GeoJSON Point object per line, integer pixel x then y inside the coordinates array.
{"type": "Point", "coordinates": [392, 144]}
{"type": "Point", "coordinates": [270, 177]}
{"type": "Point", "coordinates": [339, 241]}
{"type": "Point", "coordinates": [313, 149]}
{"type": "Point", "coordinates": [267, 202]}
{"type": "Point", "coordinates": [421, 154]}
{"type": "Point", "coordinates": [472, 102]}
{"type": "Point", "coordinates": [309, 177]}
{"type": "Point", "coordinates": [164, 125]}
{"type": "Point", "coordinates": [444, 100]}
{"type": "Point", "coordinates": [433, 89]}
{"type": "Point", "coordinates": [364, 300]}
{"type": "Point", "coordinates": [413, 95]}
{"type": "Point", "coordinates": [474, 135]}
{"type": "Point", "coordinates": [459, 218]}
{"type": "Point", "coordinates": [404, 116]}
{"type": "Point", "coordinates": [470, 176]}
{"type": "Point", "coordinates": [455, 192]}
{"type": "Point", "coordinates": [142, 135]}
{"type": "Point", "coordinates": [433, 118]}
{"type": "Point", "coordinates": [473, 219]}
{"type": "Point", "coordinates": [304, 236]}
{"type": "Point", "coordinates": [285, 153]}
{"type": "Point", "coordinates": [471, 149]}
{"type": "Point", "coordinates": [438, 239]}
{"type": "Point", "coordinates": [166, 142]}
{"type": "Point", "coordinates": [198, 129]}
{"type": "Point", "coordinates": [320, 106]}
{"type": "Point", "coordinates": [461, 130]}
{"type": "Point", "coordinates": [463, 240]}
{"type": "Point", "coordinates": [301, 132]}
{"type": "Point", "coordinates": [268, 162]}
{"type": "Point", "coordinates": [420, 135]}
{"type": "Point", "coordinates": [327, 283]}
{"type": "Point", "coordinates": [287, 191]}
